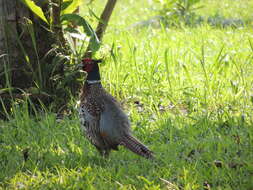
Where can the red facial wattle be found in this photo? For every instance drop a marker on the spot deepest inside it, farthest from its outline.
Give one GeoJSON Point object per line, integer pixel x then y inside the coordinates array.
{"type": "Point", "coordinates": [88, 67]}
{"type": "Point", "coordinates": [87, 60]}
{"type": "Point", "coordinates": [87, 64]}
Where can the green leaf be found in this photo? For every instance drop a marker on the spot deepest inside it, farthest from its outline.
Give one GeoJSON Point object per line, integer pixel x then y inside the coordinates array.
{"type": "Point", "coordinates": [80, 21]}
{"type": "Point", "coordinates": [69, 6]}
{"type": "Point", "coordinates": [65, 4]}
{"type": "Point", "coordinates": [35, 9]}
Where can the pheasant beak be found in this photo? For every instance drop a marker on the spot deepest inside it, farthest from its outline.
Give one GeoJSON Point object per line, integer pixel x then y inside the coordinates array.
{"type": "Point", "coordinates": [97, 61]}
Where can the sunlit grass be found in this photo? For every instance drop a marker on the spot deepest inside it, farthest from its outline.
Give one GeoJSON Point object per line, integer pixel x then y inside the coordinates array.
{"type": "Point", "coordinates": [189, 95]}
{"type": "Point", "coordinates": [240, 9]}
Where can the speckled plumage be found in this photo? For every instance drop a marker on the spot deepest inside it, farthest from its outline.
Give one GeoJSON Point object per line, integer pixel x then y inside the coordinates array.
{"type": "Point", "coordinates": [104, 123]}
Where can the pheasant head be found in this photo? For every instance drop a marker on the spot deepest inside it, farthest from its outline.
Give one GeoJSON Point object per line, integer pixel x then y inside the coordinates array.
{"type": "Point", "coordinates": [91, 67]}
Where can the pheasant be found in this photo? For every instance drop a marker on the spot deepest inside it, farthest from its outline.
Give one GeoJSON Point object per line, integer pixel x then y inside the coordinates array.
{"type": "Point", "coordinates": [102, 119]}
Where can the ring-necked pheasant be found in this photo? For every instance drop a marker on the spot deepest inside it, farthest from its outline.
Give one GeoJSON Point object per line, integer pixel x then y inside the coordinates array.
{"type": "Point", "coordinates": [102, 118]}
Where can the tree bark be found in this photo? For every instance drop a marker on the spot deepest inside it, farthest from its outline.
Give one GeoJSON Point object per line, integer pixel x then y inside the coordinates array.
{"type": "Point", "coordinates": [8, 46]}
{"type": "Point", "coordinates": [20, 58]}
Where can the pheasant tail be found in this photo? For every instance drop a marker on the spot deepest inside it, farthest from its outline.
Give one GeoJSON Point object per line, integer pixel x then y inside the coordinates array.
{"type": "Point", "coordinates": [137, 147]}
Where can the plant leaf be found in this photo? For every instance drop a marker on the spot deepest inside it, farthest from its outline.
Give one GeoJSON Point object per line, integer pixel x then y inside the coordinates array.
{"type": "Point", "coordinates": [80, 21]}
{"type": "Point", "coordinates": [35, 9]}
{"type": "Point", "coordinates": [70, 6]}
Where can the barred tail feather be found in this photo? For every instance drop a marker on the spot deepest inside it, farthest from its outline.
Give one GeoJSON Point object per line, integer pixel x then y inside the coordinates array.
{"type": "Point", "coordinates": [136, 146]}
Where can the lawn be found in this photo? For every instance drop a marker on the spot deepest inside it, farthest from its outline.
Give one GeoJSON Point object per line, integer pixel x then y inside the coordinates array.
{"type": "Point", "coordinates": [189, 95]}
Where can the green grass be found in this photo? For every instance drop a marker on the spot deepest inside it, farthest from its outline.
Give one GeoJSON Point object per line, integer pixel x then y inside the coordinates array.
{"type": "Point", "coordinates": [240, 9]}
{"type": "Point", "coordinates": [194, 92]}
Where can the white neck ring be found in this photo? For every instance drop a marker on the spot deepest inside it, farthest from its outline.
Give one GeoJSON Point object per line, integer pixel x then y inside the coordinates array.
{"type": "Point", "coordinates": [93, 81]}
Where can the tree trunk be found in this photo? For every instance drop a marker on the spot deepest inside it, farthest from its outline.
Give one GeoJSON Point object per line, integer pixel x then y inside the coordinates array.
{"type": "Point", "coordinates": [8, 47]}
{"type": "Point", "coordinates": [24, 42]}
{"type": "Point", "coordinates": [20, 56]}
